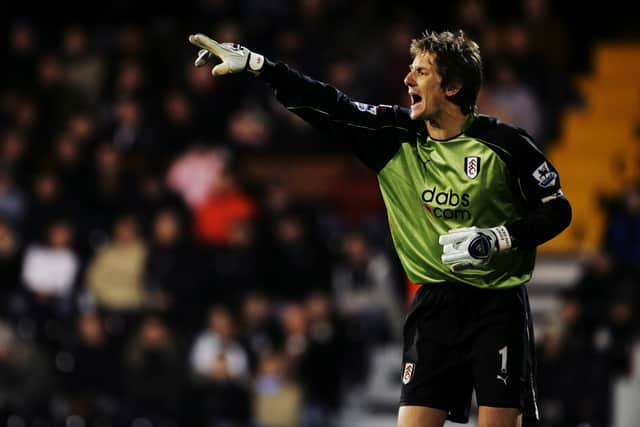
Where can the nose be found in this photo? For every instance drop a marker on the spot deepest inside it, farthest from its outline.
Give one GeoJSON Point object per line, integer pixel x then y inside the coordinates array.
{"type": "Point", "coordinates": [409, 80]}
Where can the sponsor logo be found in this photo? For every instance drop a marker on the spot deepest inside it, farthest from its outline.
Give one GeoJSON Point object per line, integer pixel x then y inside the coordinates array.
{"type": "Point", "coordinates": [450, 205]}
{"type": "Point", "coordinates": [472, 166]}
{"type": "Point", "coordinates": [366, 108]}
{"type": "Point", "coordinates": [503, 353]}
{"type": "Point", "coordinates": [557, 195]}
{"type": "Point", "coordinates": [545, 176]}
{"type": "Point", "coordinates": [407, 374]}
{"type": "Point", "coordinates": [502, 378]}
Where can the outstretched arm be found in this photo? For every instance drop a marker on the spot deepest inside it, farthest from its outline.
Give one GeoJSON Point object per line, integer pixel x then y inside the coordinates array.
{"type": "Point", "coordinates": [373, 131]}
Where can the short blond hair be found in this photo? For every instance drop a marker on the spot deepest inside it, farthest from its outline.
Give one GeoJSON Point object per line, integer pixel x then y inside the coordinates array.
{"type": "Point", "coordinates": [458, 62]}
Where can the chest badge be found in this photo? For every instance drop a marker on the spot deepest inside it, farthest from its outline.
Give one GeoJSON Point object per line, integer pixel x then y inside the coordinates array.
{"type": "Point", "coordinates": [472, 166]}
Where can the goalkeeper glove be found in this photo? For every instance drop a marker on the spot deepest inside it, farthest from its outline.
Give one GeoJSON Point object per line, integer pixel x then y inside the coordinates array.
{"type": "Point", "coordinates": [473, 247]}
{"type": "Point", "coordinates": [235, 58]}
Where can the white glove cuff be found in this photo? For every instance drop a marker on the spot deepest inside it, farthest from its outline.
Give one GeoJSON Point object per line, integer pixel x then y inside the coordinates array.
{"type": "Point", "coordinates": [255, 64]}
{"type": "Point", "coordinates": [503, 237]}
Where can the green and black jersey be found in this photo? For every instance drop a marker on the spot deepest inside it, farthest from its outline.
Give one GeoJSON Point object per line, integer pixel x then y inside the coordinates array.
{"type": "Point", "coordinates": [490, 174]}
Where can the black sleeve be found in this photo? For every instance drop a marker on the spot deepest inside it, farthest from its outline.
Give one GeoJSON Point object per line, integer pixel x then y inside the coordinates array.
{"type": "Point", "coordinates": [535, 182]}
{"type": "Point", "coordinates": [371, 130]}
{"type": "Point", "coordinates": [541, 224]}
{"type": "Point", "coordinates": [547, 211]}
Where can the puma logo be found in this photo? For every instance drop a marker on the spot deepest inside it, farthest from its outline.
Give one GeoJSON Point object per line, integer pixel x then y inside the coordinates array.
{"type": "Point", "coordinates": [502, 378]}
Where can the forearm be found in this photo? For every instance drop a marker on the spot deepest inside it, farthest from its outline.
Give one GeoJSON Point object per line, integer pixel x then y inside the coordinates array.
{"type": "Point", "coordinates": [313, 100]}
{"type": "Point", "coordinates": [541, 225]}
{"type": "Point", "coordinates": [370, 131]}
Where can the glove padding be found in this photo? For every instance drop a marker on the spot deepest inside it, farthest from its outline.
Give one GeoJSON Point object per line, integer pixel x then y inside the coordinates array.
{"type": "Point", "coordinates": [235, 58]}
{"type": "Point", "coordinates": [473, 247]}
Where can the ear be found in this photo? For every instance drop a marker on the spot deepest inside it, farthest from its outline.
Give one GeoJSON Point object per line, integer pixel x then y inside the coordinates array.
{"type": "Point", "coordinates": [453, 88]}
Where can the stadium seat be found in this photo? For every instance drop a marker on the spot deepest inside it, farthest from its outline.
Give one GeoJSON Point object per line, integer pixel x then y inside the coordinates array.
{"type": "Point", "coordinates": [598, 151]}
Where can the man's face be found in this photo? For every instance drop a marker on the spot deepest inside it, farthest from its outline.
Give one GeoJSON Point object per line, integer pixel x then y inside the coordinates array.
{"type": "Point", "coordinates": [424, 83]}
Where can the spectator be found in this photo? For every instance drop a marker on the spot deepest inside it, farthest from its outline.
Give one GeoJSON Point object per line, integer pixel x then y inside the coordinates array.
{"type": "Point", "coordinates": [49, 273]}
{"type": "Point", "coordinates": [548, 34]}
{"type": "Point", "coordinates": [234, 268]}
{"type": "Point", "coordinates": [356, 200]}
{"type": "Point", "coordinates": [13, 150]}
{"type": "Point", "coordinates": [25, 377]}
{"type": "Point", "coordinates": [12, 199]}
{"type": "Point", "coordinates": [620, 331]}
{"type": "Point", "coordinates": [131, 80]}
{"type": "Point", "coordinates": [226, 206]}
{"type": "Point", "coordinates": [471, 15]}
{"type": "Point", "coordinates": [26, 116]}
{"type": "Point", "coordinates": [46, 204]}
{"type": "Point", "coordinates": [217, 342]}
{"type": "Point", "coordinates": [178, 128]}
{"type": "Point", "coordinates": [153, 374]}
{"type": "Point", "coordinates": [58, 99]}
{"type": "Point", "coordinates": [129, 131]}
{"type": "Point", "coordinates": [399, 37]}
{"type": "Point", "coordinates": [10, 264]}
{"type": "Point", "coordinates": [550, 40]}
{"type": "Point", "coordinates": [154, 197]}
{"type": "Point", "coordinates": [22, 54]}
{"type": "Point", "coordinates": [249, 130]}
{"type": "Point", "coordinates": [115, 274]}
{"type": "Point", "coordinates": [261, 331]}
{"type": "Point", "coordinates": [553, 382]}
{"type": "Point", "coordinates": [221, 369]}
{"type": "Point", "coordinates": [196, 173]}
{"type": "Point", "coordinates": [82, 127]}
{"type": "Point", "coordinates": [567, 353]}
{"type": "Point", "coordinates": [83, 69]}
{"type": "Point", "coordinates": [365, 293]}
{"type": "Point", "coordinates": [341, 73]}
{"type": "Point", "coordinates": [597, 287]}
{"type": "Point", "coordinates": [322, 364]}
{"type": "Point", "coordinates": [91, 382]}
{"type": "Point", "coordinates": [510, 95]}
{"type": "Point", "coordinates": [68, 160]}
{"type": "Point", "coordinates": [170, 282]}
{"type": "Point", "coordinates": [279, 201]}
{"type": "Point", "coordinates": [201, 89]}
{"type": "Point", "coordinates": [295, 340]}
{"type": "Point", "coordinates": [107, 194]}
{"type": "Point", "coordinates": [294, 254]}
{"type": "Point", "coordinates": [622, 236]}
{"type": "Point", "coordinates": [278, 401]}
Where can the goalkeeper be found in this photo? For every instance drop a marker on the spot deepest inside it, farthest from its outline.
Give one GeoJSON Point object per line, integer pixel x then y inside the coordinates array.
{"type": "Point", "coordinates": [468, 200]}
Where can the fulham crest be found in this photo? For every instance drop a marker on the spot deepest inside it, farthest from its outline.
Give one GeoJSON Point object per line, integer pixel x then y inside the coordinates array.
{"type": "Point", "coordinates": [472, 166]}
{"type": "Point", "coordinates": [408, 372]}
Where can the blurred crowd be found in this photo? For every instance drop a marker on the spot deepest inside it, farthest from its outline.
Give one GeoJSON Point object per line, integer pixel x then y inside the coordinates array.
{"type": "Point", "coordinates": [592, 340]}
{"type": "Point", "coordinates": [147, 280]}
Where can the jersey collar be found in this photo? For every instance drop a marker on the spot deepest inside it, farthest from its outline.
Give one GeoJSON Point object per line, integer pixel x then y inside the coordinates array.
{"type": "Point", "coordinates": [466, 124]}
{"type": "Point", "coordinates": [426, 145]}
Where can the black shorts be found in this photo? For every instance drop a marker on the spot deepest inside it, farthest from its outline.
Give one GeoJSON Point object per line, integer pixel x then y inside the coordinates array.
{"type": "Point", "coordinates": [458, 338]}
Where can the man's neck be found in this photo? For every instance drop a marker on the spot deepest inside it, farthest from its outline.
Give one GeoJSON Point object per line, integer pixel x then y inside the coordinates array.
{"type": "Point", "coordinates": [448, 125]}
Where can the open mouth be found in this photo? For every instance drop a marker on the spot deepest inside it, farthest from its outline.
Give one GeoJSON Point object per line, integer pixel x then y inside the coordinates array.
{"type": "Point", "coordinates": [415, 99]}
